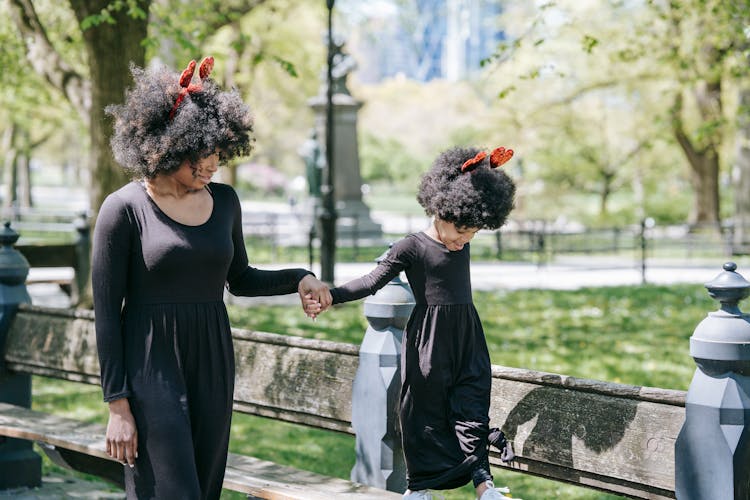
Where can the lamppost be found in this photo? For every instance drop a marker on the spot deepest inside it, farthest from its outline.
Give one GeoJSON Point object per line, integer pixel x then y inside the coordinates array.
{"type": "Point", "coordinates": [328, 208]}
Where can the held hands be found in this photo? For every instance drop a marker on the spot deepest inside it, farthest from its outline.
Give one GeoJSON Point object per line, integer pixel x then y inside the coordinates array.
{"type": "Point", "coordinates": [122, 436]}
{"type": "Point", "coordinates": [315, 296]}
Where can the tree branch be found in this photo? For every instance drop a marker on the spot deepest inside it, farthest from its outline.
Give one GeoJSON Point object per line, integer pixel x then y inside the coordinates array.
{"type": "Point", "coordinates": [46, 61]}
{"type": "Point", "coordinates": [678, 128]}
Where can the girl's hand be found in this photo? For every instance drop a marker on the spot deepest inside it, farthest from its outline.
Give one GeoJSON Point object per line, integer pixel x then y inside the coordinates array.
{"type": "Point", "coordinates": [319, 291]}
{"type": "Point", "coordinates": [122, 435]}
{"type": "Point", "coordinates": [311, 306]}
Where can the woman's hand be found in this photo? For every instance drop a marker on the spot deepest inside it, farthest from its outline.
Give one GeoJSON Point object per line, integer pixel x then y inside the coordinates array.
{"type": "Point", "coordinates": [311, 291]}
{"type": "Point", "coordinates": [122, 435]}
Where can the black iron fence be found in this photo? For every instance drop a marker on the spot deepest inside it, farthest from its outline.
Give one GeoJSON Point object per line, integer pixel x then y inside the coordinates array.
{"type": "Point", "coordinates": [526, 240]}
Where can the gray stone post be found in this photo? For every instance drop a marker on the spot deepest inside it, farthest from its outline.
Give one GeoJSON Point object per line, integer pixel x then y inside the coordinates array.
{"type": "Point", "coordinates": [19, 464]}
{"type": "Point", "coordinates": [348, 180]}
{"type": "Point", "coordinates": [712, 451]}
{"type": "Point", "coordinates": [83, 257]}
{"type": "Point", "coordinates": [375, 394]}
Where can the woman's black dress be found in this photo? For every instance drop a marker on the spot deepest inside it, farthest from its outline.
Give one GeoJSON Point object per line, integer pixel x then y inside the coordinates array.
{"type": "Point", "coordinates": [163, 333]}
{"type": "Point", "coordinates": [445, 366]}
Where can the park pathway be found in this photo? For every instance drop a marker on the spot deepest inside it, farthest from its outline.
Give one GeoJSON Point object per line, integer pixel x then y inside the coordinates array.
{"type": "Point", "coordinates": [562, 274]}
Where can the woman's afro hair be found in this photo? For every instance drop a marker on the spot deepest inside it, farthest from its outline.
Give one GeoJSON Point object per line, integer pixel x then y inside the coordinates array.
{"type": "Point", "coordinates": [481, 198]}
{"type": "Point", "coordinates": [145, 140]}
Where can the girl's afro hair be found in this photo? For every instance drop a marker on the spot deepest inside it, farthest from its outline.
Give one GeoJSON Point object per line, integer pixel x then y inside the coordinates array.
{"type": "Point", "coordinates": [481, 198]}
{"type": "Point", "coordinates": [145, 140]}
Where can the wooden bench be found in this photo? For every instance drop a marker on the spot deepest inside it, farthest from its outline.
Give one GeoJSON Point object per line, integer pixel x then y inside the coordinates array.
{"type": "Point", "coordinates": [73, 255]}
{"type": "Point", "coordinates": [81, 446]}
{"type": "Point", "coordinates": [612, 437]}
{"type": "Point", "coordinates": [61, 344]}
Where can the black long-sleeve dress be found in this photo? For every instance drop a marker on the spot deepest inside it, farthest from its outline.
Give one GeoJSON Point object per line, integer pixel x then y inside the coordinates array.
{"type": "Point", "coordinates": [163, 334]}
{"type": "Point", "coordinates": [445, 366]}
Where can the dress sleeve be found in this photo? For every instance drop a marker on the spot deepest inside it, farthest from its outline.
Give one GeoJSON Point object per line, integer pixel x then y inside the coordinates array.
{"type": "Point", "coordinates": [248, 281]}
{"type": "Point", "coordinates": [109, 270]}
{"type": "Point", "coordinates": [399, 258]}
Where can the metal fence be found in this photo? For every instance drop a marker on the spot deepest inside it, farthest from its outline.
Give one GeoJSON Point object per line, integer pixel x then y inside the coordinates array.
{"type": "Point", "coordinates": [518, 239]}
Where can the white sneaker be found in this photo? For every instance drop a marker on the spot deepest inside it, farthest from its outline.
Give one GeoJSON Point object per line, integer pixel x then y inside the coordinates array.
{"type": "Point", "coordinates": [422, 495]}
{"type": "Point", "coordinates": [492, 493]}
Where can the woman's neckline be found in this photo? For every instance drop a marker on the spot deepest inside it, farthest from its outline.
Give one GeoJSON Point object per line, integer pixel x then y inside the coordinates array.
{"type": "Point", "coordinates": [153, 202]}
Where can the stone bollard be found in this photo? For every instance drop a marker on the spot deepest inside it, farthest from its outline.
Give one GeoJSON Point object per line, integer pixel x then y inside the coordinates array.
{"type": "Point", "coordinates": [19, 464]}
{"type": "Point", "coordinates": [712, 451]}
{"type": "Point", "coordinates": [83, 257]}
{"type": "Point", "coordinates": [376, 388]}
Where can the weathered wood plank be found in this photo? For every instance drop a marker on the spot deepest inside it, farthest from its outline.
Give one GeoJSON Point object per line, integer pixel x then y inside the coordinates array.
{"type": "Point", "coordinates": [271, 481]}
{"type": "Point", "coordinates": [22, 423]}
{"type": "Point", "coordinates": [304, 382]}
{"type": "Point", "coordinates": [609, 436]}
{"type": "Point", "coordinates": [245, 474]}
{"type": "Point", "coordinates": [53, 342]}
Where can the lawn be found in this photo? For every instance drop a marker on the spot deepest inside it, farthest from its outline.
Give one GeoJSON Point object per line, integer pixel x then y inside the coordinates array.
{"type": "Point", "coordinates": [631, 335]}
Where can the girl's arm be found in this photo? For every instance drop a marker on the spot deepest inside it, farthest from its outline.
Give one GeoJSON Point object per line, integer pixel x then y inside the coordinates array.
{"type": "Point", "coordinates": [399, 258]}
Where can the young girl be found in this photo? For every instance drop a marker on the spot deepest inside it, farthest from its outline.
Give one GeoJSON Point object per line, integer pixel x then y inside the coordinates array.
{"type": "Point", "coordinates": [445, 366]}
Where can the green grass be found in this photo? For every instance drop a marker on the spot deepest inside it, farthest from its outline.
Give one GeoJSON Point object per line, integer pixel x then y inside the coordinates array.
{"type": "Point", "coordinates": [631, 335]}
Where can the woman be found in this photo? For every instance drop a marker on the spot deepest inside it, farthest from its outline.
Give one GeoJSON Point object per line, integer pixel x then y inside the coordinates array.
{"type": "Point", "coordinates": [165, 246]}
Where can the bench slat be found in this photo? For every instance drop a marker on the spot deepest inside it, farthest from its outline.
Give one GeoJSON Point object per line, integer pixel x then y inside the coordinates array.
{"type": "Point", "coordinates": [22, 423]}
{"type": "Point", "coordinates": [277, 482]}
{"type": "Point", "coordinates": [259, 478]}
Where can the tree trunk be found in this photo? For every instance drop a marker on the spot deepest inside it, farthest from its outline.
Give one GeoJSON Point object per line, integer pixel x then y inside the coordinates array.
{"type": "Point", "coordinates": [110, 48]}
{"type": "Point", "coordinates": [703, 160]}
{"type": "Point", "coordinates": [741, 243]}
{"type": "Point", "coordinates": [606, 191]}
{"type": "Point", "coordinates": [11, 181]}
{"type": "Point", "coordinates": [704, 178]}
{"type": "Point", "coordinates": [23, 171]}
{"type": "Point", "coordinates": [9, 166]}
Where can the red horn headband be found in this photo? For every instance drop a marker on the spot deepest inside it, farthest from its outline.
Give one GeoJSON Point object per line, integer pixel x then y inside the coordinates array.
{"type": "Point", "coordinates": [186, 77]}
{"type": "Point", "coordinates": [498, 157]}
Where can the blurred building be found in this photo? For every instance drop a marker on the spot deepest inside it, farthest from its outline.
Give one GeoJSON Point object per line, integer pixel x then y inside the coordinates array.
{"type": "Point", "coordinates": [425, 39]}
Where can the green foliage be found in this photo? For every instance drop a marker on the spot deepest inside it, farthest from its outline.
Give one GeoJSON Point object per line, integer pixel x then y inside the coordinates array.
{"type": "Point", "coordinates": [588, 43]}
{"type": "Point", "coordinates": [278, 54]}
{"type": "Point", "coordinates": [133, 8]}
{"type": "Point", "coordinates": [388, 159]}
{"type": "Point", "coordinates": [192, 24]}
{"type": "Point", "coordinates": [642, 54]}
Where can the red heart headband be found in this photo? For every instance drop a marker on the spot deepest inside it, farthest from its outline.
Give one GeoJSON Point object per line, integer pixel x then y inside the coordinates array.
{"type": "Point", "coordinates": [498, 157]}
{"type": "Point", "coordinates": [187, 75]}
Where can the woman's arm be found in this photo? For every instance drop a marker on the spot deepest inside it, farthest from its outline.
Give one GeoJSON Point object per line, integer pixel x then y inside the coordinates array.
{"type": "Point", "coordinates": [243, 279]}
{"type": "Point", "coordinates": [109, 270]}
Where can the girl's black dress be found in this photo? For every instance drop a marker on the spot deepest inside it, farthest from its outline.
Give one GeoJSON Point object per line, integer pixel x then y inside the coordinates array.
{"type": "Point", "coordinates": [163, 333]}
{"type": "Point", "coordinates": [445, 366]}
